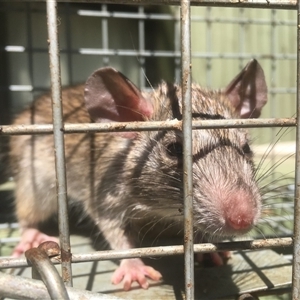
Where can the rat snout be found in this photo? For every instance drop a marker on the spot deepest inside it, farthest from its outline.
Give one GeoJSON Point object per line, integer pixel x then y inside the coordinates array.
{"type": "Point", "coordinates": [240, 211]}
{"type": "Point", "coordinates": [227, 198]}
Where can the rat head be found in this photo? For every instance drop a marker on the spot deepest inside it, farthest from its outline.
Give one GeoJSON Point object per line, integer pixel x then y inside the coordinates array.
{"type": "Point", "coordinates": [226, 197]}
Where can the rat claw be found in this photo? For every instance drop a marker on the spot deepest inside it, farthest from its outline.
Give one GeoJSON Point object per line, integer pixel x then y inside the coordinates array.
{"type": "Point", "coordinates": [131, 270]}
{"type": "Point", "coordinates": [142, 281]}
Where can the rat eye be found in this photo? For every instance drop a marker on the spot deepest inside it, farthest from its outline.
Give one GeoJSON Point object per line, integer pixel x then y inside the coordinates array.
{"type": "Point", "coordinates": [175, 149]}
{"type": "Point", "coordinates": [246, 149]}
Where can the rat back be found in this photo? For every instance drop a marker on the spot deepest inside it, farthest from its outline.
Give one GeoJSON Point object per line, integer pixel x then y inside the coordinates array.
{"type": "Point", "coordinates": [32, 159]}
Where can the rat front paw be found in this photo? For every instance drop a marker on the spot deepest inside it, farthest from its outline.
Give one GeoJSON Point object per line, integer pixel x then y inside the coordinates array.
{"type": "Point", "coordinates": [131, 270]}
{"type": "Point", "coordinates": [31, 238]}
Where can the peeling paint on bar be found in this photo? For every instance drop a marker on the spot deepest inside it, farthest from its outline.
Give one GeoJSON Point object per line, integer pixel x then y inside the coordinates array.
{"type": "Point", "coordinates": [161, 251]}
{"type": "Point", "coordinates": [146, 126]}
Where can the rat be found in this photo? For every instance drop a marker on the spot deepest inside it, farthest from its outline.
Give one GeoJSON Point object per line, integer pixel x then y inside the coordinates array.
{"type": "Point", "coordinates": [125, 181]}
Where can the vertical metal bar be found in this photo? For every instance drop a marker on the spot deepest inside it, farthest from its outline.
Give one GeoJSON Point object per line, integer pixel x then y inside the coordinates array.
{"type": "Point", "coordinates": [68, 36]}
{"type": "Point", "coordinates": [272, 154]}
{"type": "Point", "coordinates": [105, 35]}
{"type": "Point", "coordinates": [177, 47]}
{"type": "Point", "coordinates": [61, 182]}
{"type": "Point", "coordinates": [187, 147]}
{"type": "Point", "coordinates": [208, 46]}
{"type": "Point", "coordinates": [242, 37]}
{"type": "Point", "coordinates": [142, 77]}
{"type": "Point", "coordinates": [296, 261]}
{"type": "Point", "coordinates": [29, 43]}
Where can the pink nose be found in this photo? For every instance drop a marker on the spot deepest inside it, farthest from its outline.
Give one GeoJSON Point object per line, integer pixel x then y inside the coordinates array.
{"type": "Point", "coordinates": [239, 222]}
{"type": "Point", "coordinates": [240, 211]}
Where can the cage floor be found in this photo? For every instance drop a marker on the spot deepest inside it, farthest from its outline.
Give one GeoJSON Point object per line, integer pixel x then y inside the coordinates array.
{"type": "Point", "coordinates": [246, 271]}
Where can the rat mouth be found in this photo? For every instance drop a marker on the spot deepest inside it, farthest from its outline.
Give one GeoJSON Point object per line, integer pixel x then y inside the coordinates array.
{"type": "Point", "coordinates": [219, 233]}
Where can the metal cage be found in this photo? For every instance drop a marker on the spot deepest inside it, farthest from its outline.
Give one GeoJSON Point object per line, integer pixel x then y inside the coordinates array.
{"type": "Point", "coordinates": [179, 57]}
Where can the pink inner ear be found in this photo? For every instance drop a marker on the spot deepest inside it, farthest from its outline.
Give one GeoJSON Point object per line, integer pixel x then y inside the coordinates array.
{"type": "Point", "coordinates": [248, 91]}
{"type": "Point", "coordinates": [111, 97]}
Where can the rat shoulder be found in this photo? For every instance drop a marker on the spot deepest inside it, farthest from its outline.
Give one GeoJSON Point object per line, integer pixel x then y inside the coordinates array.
{"type": "Point", "coordinates": [40, 110]}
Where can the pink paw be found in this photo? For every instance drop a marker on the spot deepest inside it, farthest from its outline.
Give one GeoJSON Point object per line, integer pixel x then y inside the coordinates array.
{"type": "Point", "coordinates": [31, 238]}
{"type": "Point", "coordinates": [217, 258]}
{"type": "Point", "coordinates": [131, 270]}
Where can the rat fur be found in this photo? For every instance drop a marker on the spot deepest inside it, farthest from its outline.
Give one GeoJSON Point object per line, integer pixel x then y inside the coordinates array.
{"type": "Point", "coordinates": [123, 180]}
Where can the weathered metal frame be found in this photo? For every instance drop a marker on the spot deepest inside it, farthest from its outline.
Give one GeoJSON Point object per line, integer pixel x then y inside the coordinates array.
{"type": "Point", "coordinates": [296, 238]}
{"type": "Point", "coordinates": [59, 144]}
{"type": "Point", "coordinates": [59, 129]}
{"type": "Point", "coordinates": [145, 126]}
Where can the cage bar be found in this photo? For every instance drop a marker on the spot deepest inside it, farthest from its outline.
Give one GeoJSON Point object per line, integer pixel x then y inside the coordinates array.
{"type": "Point", "coordinates": [42, 268]}
{"type": "Point", "coordinates": [17, 287]}
{"type": "Point", "coordinates": [161, 251]}
{"type": "Point", "coordinates": [296, 258]}
{"type": "Point", "coordinates": [187, 148]}
{"type": "Point", "coordinates": [61, 182]}
{"type": "Point", "coordinates": [105, 38]}
{"type": "Point", "coordinates": [146, 126]}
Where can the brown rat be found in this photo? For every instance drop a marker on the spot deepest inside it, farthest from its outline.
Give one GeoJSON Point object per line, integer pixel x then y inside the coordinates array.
{"type": "Point", "coordinates": [123, 179]}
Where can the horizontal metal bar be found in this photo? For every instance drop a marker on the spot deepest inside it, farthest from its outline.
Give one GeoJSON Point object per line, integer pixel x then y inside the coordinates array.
{"type": "Point", "coordinates": [173, 17]}
{"type": "Point", "coordinates": [17, 287]}
{"type": "Point", "coordinates": [277, 4]}
{"type": "Point", "coordinates": [146, 126]}
{"type": "Point", "coordinates": [175, 250]}
{"type": "Point", "coordinates": [134, 53]}
{"type": "Point", "coordinates": [161, 251]}
{"type": "Point", "coordinates": [29, 88]}
{"type": "Point", "coordinates": [126, 15]}
{"type": "Point", "coordinates": [125, 52]}
{"type": "Point", "coordinates": [245, 21]}
{"type": "Point", "coordinates": [112, 52]}
{"type": "Point", "coordinates": [165, 17]}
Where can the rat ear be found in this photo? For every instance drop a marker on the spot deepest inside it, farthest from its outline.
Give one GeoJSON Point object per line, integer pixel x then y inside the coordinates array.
{"type": "Point", "coordinates": [248, 90]}
{"type": "Point", "coordinates": [111, 97]}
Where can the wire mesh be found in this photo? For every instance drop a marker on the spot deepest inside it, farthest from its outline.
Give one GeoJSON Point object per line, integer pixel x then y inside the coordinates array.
{"type": "Point", "coordinates": [143, 56]}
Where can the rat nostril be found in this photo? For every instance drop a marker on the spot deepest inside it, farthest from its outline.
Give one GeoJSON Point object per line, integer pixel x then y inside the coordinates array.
{"type": "Point", "coordinates": [239, 223]}
{"type": "Point", "coordinates": [239, 211]}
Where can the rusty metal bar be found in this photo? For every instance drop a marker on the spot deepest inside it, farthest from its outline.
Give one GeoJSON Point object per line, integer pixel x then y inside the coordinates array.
{"type": "Point", "coordinates": [42, 265]}
{"type": "Point", "coordinates": [160, 251]}
{"type": "Point", "coordinates": [278, 4]}
{"type": "Point", "coordinates": [61, 182]}
{"type": "Point", "coordinates": [296, 258]}
{"type": "Point", "coordinates": [146, 126]}
{"type": "Point", "coordinates": [17, 287]}
{"type": "Point", "coordinates": [185, 13]}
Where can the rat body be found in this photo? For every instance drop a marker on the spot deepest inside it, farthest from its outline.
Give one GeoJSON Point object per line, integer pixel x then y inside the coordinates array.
{"type": "Point", "coordinates": [123, 179]}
